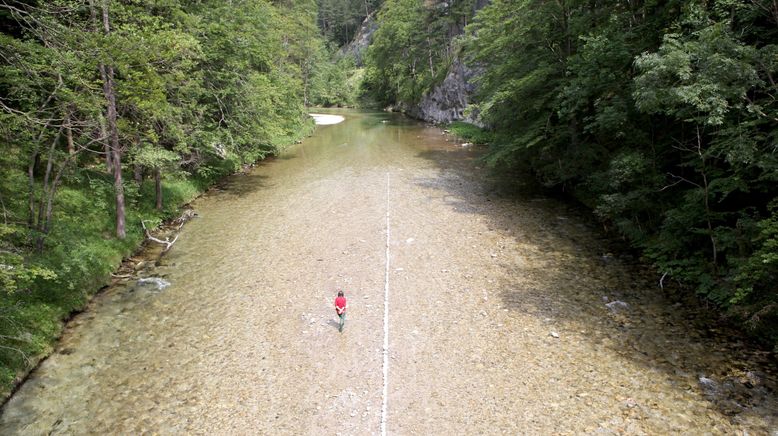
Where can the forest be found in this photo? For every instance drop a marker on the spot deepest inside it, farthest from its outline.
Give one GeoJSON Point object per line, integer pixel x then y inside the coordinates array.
{"type": "Point", "coordinates": [659, 116]}
{"type": "Point", "coordinates": [115, 113]}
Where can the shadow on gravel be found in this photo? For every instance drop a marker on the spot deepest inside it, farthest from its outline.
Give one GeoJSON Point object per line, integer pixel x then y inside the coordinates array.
{"type": "Point", "coordinates": [334, 324]}
{"type": "Point", "coordinates": [577, 286]}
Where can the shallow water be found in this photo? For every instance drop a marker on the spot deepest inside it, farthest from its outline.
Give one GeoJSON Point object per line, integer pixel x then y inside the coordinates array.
{"type": "Point", "coordinates": [506, 316]}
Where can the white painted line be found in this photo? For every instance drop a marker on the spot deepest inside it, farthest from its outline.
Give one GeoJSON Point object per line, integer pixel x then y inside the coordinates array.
{"type": "Point", "coordinates": [386, 317]}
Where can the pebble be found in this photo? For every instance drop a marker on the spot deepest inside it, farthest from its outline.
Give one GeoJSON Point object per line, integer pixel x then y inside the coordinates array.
{"type": "Point", "coordinates": [616, 305]}
{"type": "Point", "coordinates": [554, 335]}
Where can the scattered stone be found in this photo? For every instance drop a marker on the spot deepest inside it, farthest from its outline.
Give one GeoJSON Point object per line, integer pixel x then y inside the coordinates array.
{"type": "Point", "coordinates": [554, 335]}
{"type": "Point", "coordinates": [156, 282]}
{"type": "Point", "coordinates": [752, 380]}
{"type": "Point", "coordinates": [616, 305]}
{"type": "Point", "coordinates": [708, 385]}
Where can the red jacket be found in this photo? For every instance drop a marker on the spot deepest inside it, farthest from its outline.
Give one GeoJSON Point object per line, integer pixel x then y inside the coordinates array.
{"type": "Point", "coordinates": [340, 305]}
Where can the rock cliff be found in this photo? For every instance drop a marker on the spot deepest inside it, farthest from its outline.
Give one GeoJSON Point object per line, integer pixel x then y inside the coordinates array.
{"type": "Point", "coordinates": [357, 47]}
{"type": "Point", "coordinates": [447, 101]}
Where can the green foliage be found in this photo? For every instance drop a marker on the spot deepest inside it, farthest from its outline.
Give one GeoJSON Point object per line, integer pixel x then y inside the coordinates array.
{"type": "Point", "coordinates": [336, 82]}
{"type": "Point", "coordinates": [202, 87]}
{"type": "Point", "coordinates": [15, 275]}
{"type": "Point", "coordinates": [757, 273]}
{"type": "Point", "coordinates": [410, 50]}
{"type": "Point", "coordinates": [339, 20]}
{"type": "Point", "coordinates": [471, 132]}
{"type": "Point", "coordinates": [698, 78]}
{"type": "Point", "coordinates": [660, 116]}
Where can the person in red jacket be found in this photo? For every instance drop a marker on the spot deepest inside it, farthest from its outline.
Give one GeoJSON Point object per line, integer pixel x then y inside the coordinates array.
{"type": "Point", "coordinates": [340, 308]}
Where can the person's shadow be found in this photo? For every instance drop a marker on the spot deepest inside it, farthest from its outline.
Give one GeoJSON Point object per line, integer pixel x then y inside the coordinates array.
{"type": "Point", "coordinates": [333, 323]}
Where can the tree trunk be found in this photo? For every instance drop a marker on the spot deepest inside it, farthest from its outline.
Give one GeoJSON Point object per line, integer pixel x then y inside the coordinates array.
{"type": "Point", "coordinates": [101, 117]}
{"type": "Point", "coordinates": [138, 174]}
{"type": "Point", "coordinates": [119, 188]}
{"type": "Point", "coordinates": [47, 193]}
{"type": "Point", "coordinates": [31, 182]}
{"type": "Point", "coordinates": [706, 198]}
{"type": "Point", "coordinates": [107, 146]}
{"type": "Point", "coordinates": [429, 56]}
{"type": "Point", "coordinates": [107, 74]}
{"type": "Point", "coordinates": [158, 186]}
{"type": "Point", "coordinates": [35, 157]}
{"type": "Point", "coordinates": [69, 133]}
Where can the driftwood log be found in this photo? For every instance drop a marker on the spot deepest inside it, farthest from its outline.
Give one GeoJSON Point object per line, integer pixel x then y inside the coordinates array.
{"type": "Point", "coordinates": [167, 242]}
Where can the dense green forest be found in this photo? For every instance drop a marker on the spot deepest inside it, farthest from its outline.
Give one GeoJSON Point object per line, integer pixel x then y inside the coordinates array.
{"type": "Point", "coordinates": [115, 112]}
{"type": "Point", "coordinates": [660, 116]}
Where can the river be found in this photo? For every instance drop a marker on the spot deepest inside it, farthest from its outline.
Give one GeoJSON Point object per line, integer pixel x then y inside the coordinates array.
{"type": "Point", "coordinates": [506, 314]}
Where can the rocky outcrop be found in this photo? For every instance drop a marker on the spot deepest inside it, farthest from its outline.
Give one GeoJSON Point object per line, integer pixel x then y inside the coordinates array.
{"type": "Point", "coordinates": [447, 101]}
{"type": "Point", "coordinates": [357, 47]}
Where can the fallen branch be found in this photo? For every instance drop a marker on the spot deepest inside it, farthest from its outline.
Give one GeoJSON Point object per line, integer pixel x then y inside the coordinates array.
{"type": "Point", "coordinates": [167, 242]}
{"type": "Point", "coordinates": [121, 276]}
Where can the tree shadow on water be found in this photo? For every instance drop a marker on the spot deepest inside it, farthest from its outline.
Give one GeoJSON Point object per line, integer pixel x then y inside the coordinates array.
{"type": "Point", "coordinates": [238, 185]}
{"type": "Point", "coordinates": [567, 277]}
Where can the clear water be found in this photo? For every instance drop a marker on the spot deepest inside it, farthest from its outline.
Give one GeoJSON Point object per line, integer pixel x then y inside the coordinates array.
{"type": "Point", "coordinates": [502, 314]}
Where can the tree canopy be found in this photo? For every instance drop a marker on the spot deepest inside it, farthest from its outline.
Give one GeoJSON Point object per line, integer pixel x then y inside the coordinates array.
{"type": "Point", "coordinates": [113, 112]}
{"type": "Point", "coordinates": [660, 116]}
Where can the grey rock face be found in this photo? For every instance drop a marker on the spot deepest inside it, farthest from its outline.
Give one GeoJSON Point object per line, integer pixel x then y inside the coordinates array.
{"type": "Point", "coordinates": [357, 47]}
{"type": "Point", "coordinates": [447, 101]}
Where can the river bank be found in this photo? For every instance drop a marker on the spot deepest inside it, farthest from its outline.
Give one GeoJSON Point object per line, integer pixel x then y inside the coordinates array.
{"type": "Point", "coordinates": [86, 259]}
